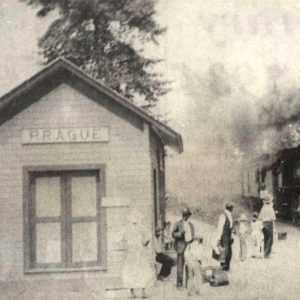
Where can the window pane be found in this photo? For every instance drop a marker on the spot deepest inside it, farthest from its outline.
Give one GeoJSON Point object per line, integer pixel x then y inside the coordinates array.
{"type": "Point", "coordinates": [84, 242]}
{"type": "Point", "coordinates": [48, 239]}
{"type": "Point", "coordinates": [48, 196]}
{"type": "Point", "coordinates": [297, 171]}
{"type": "Point", "coordinates": [84, 196]}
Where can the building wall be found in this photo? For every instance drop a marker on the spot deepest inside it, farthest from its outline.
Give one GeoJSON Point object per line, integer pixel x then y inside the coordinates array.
{"type": "Point", "coordinates": [158, 166]}
{"type": "Point", "coordinates": [128, 174]}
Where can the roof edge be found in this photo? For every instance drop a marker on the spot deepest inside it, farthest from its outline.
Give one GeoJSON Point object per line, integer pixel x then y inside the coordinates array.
{"type": "Point", "coordinates": [61, 62]}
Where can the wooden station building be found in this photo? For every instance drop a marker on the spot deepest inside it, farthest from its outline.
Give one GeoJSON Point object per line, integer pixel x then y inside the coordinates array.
{"type": "Point", "coordinates": [75, 157]}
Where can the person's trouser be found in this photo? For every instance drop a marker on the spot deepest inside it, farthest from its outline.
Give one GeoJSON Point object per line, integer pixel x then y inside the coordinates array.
{"type": "Point", "coordinates": [226, 244]}
{"type": "Point", "coordinates": [194, 277]}
{"type": "Point", "coordinates": [268, 237]}
{"type": "Point", "coordinates": [243, 246]}
{"type": "Point", "coordinates": [180, 265]}
{"type": "Point", "coordinates": [257, 245]}
{"type": "Point", "coordinates": [167, 264]}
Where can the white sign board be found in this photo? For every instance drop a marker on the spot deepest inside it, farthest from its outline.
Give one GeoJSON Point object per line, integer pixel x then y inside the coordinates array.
{"type": "Point", "coordinates": [65, 135]}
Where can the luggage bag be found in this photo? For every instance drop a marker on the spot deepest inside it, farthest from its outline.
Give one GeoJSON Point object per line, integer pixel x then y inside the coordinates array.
{"type": "Point", "coordinates": [219, 278]}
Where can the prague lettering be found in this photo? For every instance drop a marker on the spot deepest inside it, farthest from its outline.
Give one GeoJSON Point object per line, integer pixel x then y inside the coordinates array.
{"type": "Point", "coordinates": [65, 135]}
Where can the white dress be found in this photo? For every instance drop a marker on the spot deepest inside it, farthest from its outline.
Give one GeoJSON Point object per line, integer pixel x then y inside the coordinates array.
{"type": "Point", "coordinates": [137, 271]}
{"type": "Point", "coordinates": [257, 238]}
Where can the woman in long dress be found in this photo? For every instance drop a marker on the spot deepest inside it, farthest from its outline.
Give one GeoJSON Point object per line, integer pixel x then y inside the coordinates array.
{"type": "Point", "coordinates": [137, 272]}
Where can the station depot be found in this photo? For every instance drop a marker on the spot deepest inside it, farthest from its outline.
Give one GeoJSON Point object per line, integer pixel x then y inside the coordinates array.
{"type": "Point", "coordinates": [75, 158]}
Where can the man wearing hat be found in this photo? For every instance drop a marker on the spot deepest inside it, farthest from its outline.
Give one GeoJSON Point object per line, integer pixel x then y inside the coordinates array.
{"type": "Point", "coordinates": [267, 216]}
{"type": "Point", "coordinates": [225, 225]}
{"type": "Point", "coordinates": [183, 233]}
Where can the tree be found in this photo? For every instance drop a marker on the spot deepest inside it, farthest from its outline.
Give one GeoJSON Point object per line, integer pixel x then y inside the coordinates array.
{"type": "Point", "coordinates": [101, 37]}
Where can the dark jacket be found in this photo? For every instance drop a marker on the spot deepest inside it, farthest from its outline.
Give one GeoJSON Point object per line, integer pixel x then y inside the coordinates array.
{"type": "Point", "coordinates": [178, 235]}
{"type": "Point", "coordinates": [227, 230]}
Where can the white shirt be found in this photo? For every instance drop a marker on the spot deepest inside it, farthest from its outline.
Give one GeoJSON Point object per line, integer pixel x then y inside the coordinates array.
{"type": "Point", "coordinates": [267, 213]}
{"type": "Point", "coordinates": [188, 232]}
{"type": "Point", "coordinates": [222, 220]}
{"type": "Point", "coordinates": [243, 228]}
{"type": "Point", "coordinates": [256, 228]}
{"type": "Point", "coordinates": [193, 252]}
{"type": "Point", "coordinates": [157, 244]}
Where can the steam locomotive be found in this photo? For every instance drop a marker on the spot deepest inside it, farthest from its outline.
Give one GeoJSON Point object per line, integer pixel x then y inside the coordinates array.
{"type": "Point", "coordinates": [280, 175]}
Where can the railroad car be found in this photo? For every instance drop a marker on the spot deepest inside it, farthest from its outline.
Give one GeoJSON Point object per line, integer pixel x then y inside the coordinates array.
{"type": "Point", "coordinates": [280, 175]}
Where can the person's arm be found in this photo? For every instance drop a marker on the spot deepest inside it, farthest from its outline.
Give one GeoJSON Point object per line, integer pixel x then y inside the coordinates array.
{"type": "Point", "coordinates": [274, 219]}
{"type": "Point", "coordinates": [221, 223]}
{"type": "Point", "coordinates": [261, 213]}
{"type": "Point", "coordinates": [192, 230]}
{"type": "Point", "coordinates": [176, 234]}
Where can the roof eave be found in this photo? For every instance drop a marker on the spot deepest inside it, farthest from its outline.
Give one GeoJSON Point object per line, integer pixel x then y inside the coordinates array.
{"type": "Point", "coordinates": [169, 136]}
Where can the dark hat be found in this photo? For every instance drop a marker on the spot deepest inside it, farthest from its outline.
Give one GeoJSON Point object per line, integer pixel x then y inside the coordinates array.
{"type": "Point", "coordinates": [186, 212]}
{"type": "Point", "coordinates": [228, 204]}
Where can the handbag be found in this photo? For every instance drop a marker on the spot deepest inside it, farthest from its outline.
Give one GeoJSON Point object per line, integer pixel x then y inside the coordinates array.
{"type": "Point", "coordinates": [222, 254]}
{"type": "Point", "coordinates": [215, 255]}
{"type": "Point", "coordinates": [219, 254]}
{"type": "Point", "coordinates": [219, 278]}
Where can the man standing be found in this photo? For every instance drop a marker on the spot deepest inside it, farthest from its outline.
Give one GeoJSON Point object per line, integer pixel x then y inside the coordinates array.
{"type": "Point", "coordinates": [225, 240]}
{"type": "Point", "coordinates": [183, 233]}
{"type": "Point", "coordinates": [267, 216]}
{"type": "Point", "coordinates": [166, 261]}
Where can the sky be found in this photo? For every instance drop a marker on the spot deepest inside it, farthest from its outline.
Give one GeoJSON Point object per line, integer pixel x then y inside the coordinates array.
{"type": "Point", "coordinates": [224, 58]}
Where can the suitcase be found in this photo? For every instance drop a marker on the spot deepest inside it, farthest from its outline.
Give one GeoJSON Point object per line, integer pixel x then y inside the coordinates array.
{"type": "Point", "coordinates": [219, 278]}
{"type": "Point", "coordinates": [207, 273]}
{"type": "Point", "coordinates": [282, 235]}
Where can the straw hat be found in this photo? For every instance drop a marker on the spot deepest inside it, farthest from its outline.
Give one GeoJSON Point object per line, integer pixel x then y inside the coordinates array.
{"type": "Point", "coordinates": [268, 198]}
{"type": "Point", "coordinates": [243, 217]}
{"type": "Point", "coordinates": [264, 194]}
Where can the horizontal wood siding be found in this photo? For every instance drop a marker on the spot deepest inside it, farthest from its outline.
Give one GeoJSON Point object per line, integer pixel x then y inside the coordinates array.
{"type": "Point", "coordinates": [128, 173]}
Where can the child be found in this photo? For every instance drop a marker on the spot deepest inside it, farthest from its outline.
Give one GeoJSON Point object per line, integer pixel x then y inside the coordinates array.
{"type": "Point", "coordinates": [257, 236]}
{"type": "Point", "coordinates": [192, 258]}
{"type": "Point", "coordinates": [243, 235]}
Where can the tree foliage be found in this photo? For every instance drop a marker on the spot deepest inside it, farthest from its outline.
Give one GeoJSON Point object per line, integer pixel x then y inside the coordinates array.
{"type": "Point", "coordinates": [99, 36]}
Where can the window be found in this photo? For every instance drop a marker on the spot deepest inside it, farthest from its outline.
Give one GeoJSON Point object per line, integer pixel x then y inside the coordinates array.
{"type": "Point", "coordinates": [297, 169]}
{"type": "Point", "coordinates": [63, 219]}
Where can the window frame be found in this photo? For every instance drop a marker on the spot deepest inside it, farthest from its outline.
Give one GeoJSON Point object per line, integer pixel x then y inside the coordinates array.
{"type": "Point", "coordinates": [29, 172]}
{"type": "Point", "coordinates": [297, 164]}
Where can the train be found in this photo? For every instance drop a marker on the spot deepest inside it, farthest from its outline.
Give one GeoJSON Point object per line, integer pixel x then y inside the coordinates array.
{"type": "Point", "coordinates": [280, 175]}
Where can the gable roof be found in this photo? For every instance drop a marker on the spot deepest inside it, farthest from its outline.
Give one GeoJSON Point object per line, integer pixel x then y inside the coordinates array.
{"type": "Point", "coordinates": [54, 74]}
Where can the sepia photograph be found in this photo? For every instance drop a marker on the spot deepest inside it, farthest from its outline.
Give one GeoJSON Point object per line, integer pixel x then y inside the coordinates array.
{"type": "Point", "coordinates": [149, 149]}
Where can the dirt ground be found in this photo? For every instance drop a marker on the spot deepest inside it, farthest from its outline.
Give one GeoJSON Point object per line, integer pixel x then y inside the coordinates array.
{"type": "Point", "coordinates": [267, 279]}
{"type": "Point", "coordinates": [260, 279]}
{"type": "Point", "coordinates": [275, 278]}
